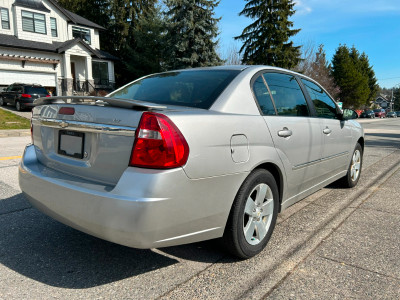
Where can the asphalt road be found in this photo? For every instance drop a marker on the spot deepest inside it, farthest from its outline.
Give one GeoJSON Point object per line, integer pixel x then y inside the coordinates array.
{"type": "Point", "coordinates": [334, 244]}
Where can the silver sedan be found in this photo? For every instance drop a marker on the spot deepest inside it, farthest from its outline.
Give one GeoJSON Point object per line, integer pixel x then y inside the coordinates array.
{"type": "Point", "coordinates": [189, 155]}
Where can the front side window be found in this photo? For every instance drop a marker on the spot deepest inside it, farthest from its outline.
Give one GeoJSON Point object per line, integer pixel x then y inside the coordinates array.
{"type": "Point", "coordinates": [33, 22]}
{"type": "Point", "coordinates": [16, 88]}
{"type": "Point", "coordinates": [324, 105]}
{"type": "Point", "coordinates": [53, 25]}
{"type": "Point", "coordinates": [192, 88]}
{"type": "Point", "coordinates": [5, 18]}
{"type": "Point", "coordinates": [287, 95]}
{"type": "Point", "coordinates": [82, 33]}
{"type": "Point", "coordinates": [263, 97]}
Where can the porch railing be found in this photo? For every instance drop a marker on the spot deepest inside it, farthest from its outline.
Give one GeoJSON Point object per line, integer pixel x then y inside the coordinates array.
{"type": "Point", "coordinates": [85, 86]}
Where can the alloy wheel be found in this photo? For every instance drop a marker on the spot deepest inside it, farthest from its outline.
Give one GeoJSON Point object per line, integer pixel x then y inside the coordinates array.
{"type": "Point", "coordinates": [355, 165]}
{"type": "Point", "coordinates": [258, 214]}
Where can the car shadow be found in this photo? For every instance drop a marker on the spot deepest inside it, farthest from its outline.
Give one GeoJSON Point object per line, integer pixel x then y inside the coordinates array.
{"type": "Point", "coordinates": [47, 251]}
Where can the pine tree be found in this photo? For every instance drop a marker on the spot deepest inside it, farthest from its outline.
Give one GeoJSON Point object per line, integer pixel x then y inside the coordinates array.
{"type": "Point", "coordinates": [266, 40]}
{"type": "Point", "coordinates": [346, 70]}
{"type": "Point", "coordinates": [191, 33]}
{"type": "Point", "coordinates": [368, 72]}
{"type": "Point", "coordinates": [321, 72]}
{"type": "Point", "coordinates": [144, 54]}
{"type": "Point", "coordinates": [396, 96]}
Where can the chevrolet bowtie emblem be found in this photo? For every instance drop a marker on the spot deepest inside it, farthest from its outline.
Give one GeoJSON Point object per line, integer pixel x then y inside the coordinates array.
{"type": "Point", "coordinates": [64, 124]}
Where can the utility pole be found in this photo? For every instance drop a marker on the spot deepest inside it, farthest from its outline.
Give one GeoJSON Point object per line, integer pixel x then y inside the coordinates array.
{"type": "Point", "coordinates": [392, 102]}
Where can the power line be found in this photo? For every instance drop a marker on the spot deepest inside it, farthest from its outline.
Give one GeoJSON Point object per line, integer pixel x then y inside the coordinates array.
{"type": "Point", "coordinates": [389, 78]}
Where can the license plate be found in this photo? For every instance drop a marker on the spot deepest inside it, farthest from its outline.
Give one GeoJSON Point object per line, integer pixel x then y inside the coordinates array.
{"type": "Point", "coordinates": [71, 143]}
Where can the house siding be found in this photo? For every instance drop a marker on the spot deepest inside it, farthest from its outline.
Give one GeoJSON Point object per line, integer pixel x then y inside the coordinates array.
{"type": "Point", "coordinates": [8, 4]}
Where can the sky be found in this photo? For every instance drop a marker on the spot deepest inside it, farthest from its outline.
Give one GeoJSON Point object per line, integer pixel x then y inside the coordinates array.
{"type": "Point", "coordinates": [371, 26]}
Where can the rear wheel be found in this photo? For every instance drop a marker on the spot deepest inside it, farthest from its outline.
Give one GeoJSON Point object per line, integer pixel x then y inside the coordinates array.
{"type": "Point", "coordinates": [18, 106]}
{"type": "Point", "coordinates": [2, 103]}
{"type": "Point", "coordinates": [253, 215]}
{"type": "Point", "coordinates": [354, 171]}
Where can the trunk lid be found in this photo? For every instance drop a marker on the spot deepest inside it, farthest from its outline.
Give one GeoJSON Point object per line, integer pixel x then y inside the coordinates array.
{"type": "Point", "coordinates": [91, 141]}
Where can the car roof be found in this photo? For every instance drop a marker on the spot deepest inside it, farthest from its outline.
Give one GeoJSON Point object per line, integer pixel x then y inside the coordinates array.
{"type": "Point", "coordinates": [27, 84]}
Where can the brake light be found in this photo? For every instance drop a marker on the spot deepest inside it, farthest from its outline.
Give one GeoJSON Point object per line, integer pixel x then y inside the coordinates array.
{"type": "Point", "coordinates": [66, 111]}
{"type": "Point", "coordinates": [158, 143]}
{"type": "Point", "coordinates": [26, 96]}
{"type": "Point", "coordinates": [48, 96]}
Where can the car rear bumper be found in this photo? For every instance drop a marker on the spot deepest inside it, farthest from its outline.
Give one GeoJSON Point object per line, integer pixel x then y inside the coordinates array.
{"type": "Point", "coordinates": [146, 209]}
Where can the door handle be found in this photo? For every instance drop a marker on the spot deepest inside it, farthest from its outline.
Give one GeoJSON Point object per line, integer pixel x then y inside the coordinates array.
{"type": "Point", "coordinates": [285, 132]}
{"type": "Point", "coordinates": [327, 130]}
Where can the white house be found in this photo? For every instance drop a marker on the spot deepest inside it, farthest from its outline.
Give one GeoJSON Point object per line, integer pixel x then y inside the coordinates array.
{"type": "Point", "coordinates": [43, 43]}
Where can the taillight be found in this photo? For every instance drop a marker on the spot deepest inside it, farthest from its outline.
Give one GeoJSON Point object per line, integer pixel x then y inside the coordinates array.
{"type": "Point", "coordinates": [26, 96]}
{"type": "Point", "coordinates": [158, 143]}
{"type": "Point", "coordinates": [48, 96]}
{"type": "Point", "coordinates": [32, 127]}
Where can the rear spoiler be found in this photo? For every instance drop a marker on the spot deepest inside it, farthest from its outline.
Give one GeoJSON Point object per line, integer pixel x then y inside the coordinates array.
{"type": "Point", "coordinates": [101, 101]}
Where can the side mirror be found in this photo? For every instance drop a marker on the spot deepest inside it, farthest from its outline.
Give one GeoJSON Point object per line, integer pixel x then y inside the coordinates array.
{"type": "Point", "coordinates": [349, 114]}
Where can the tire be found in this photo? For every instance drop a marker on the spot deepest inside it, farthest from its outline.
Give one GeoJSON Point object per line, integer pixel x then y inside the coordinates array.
{"type": "Point", "coordinates": [354, 170]}
{"type": "Point", "coordinates": [253, 215]}
{"type": "Point", "coordinates": [18, 106]}
{"type": "Point", "coordinates": [2, 103]}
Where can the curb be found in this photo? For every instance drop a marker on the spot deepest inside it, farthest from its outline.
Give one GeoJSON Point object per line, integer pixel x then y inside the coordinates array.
{"type": "Point", "coordinates": [14, 133]}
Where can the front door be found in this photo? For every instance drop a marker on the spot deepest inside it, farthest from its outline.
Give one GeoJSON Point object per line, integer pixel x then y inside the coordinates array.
{"type": "Point", "coordinates": [336, 133]}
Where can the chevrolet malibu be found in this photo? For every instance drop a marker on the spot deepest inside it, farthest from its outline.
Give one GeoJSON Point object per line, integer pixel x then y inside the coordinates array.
{"type": "Point", "coordinates": [189, 155]}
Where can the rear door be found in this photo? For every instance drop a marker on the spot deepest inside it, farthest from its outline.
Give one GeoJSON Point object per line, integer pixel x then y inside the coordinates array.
{"type": "Point", "coordinates": [296, 135]}
{"type": "Point", "coordinates": [337, 138]}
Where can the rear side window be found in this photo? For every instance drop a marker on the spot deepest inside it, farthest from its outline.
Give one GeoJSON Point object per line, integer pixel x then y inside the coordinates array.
{"type": "Point", "coordinates": [193, 88]}
{"type": "Point", "coordinates": [287, 95]}
{"type": "Point", "coordinates": [263, 97]}
{"type": "Point", "coordinates": [324, 105]}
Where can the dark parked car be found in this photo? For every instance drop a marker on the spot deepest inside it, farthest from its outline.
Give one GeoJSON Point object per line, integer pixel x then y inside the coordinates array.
{"type": "Point", "coordinates": [398, 113]}
{"type": "Point", "coordinates": [391, 114]}
{"type": "Point", "coordinates": [22, 95]}
{"type": "Point", "coordinates": [380, 113]}
{"type": "Point", "coordinates": [367, 114]}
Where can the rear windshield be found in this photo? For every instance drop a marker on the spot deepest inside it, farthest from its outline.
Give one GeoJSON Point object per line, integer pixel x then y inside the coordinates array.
{"type": "Point", "coordinates": [197, 88]}
{"type": "Point", "coordinates": [35, 90]}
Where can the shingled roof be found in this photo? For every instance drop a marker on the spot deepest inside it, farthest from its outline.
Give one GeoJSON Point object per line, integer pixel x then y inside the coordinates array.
{"type": "Point", "coordinates": [56, 47]}
{"type": "Point", "coordinates": [33, 4]}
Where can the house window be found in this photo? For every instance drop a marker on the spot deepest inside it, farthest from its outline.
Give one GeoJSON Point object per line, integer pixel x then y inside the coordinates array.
{"type": "Point", "coordinates": [82, 33]}
{"type": "Point", "coordinates": [53, 25]}
{"type": "Point", "coordinates": [5, 21]}
{"type": "Point", "coordinates": [33, 22]}
{"type": "Point", "coordinates": [100, 73]}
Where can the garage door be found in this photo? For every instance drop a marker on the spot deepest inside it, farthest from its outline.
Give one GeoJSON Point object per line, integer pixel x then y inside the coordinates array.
{"type": "Point", "coordinates": [45, 79]}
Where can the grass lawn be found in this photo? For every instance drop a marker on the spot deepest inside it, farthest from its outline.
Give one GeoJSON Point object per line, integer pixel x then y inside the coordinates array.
{"type": "Point", "coordinates": [10, 121]}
